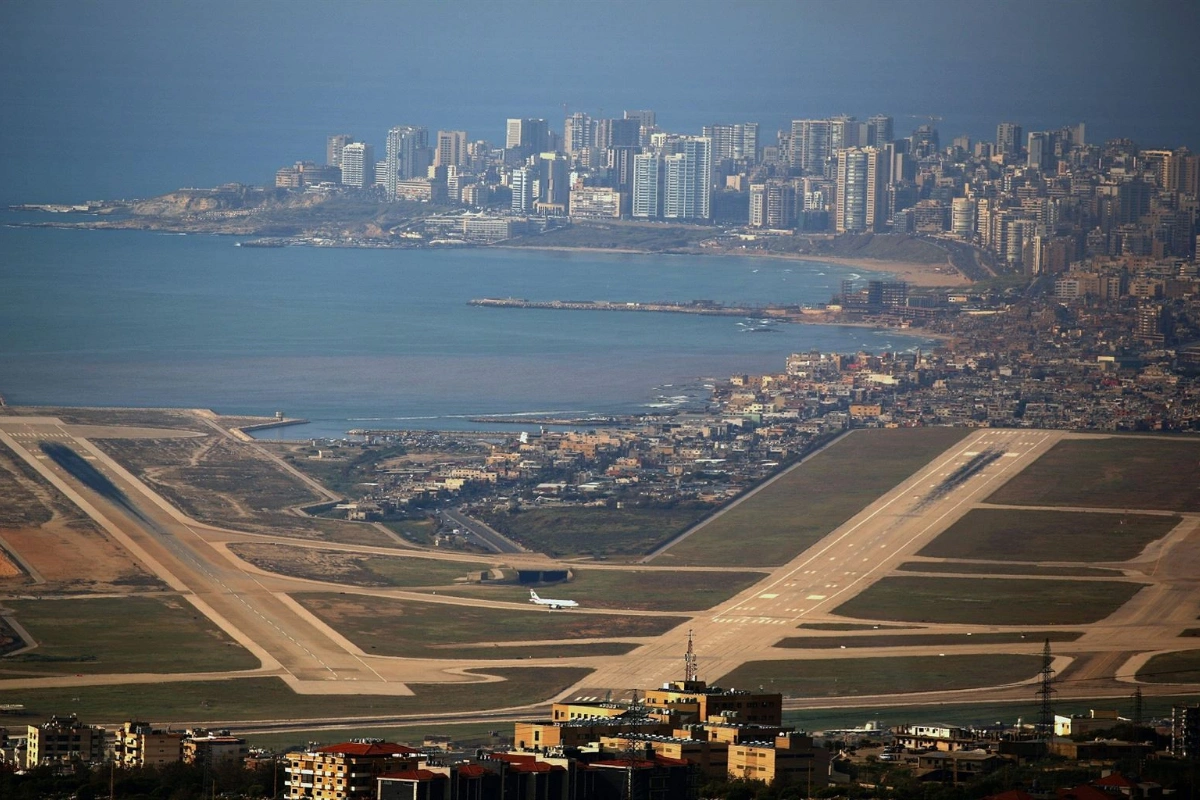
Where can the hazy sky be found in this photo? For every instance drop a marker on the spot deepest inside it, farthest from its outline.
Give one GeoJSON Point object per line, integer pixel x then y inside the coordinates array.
{"type": "Point", "coordinates": [96, 93]}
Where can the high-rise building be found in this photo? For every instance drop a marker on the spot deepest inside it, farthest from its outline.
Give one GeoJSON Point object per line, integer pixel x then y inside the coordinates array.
{"type": "Point", "coordinates": [809, 145]}
{"type": "Point", "coordinates": [925, 141]}
{"type": "Point", "coordinates": [620, 168]}
{"type": "Point", "coordinates": [1039, 151]}
{"type": "Point", "coordinates": [644, 117]}
{"type": "Point", "coordinates": [579, 132]}
{"type": "Point", "coordinates": [527, 136]}
{"type": "Point", "coordinates": [647, 185]}
{"type": "Point", "coordinates": [879, 130]}
{"type": "Point", "coordinates": [334, 146]}
{"type": "Point", "coordinates": [555, 182]}
{"type": "Point", "coordinates": [521, 184]}
{"type": "Point", "coordinates": [687, 180]}
{"type": "Point", "coordinates": [622, 133]}
{"type": "Point", "coordinates": [451, 149]}
{"type": "Point", "coordinates": [772, 204]}
{"type": "Point", "coordinates": [843, 133]}
{"type": "Point", "coordinates": [358, 165]}
{"type": "Point", "coordinates": [408, 155]}
{"type": "Point", "coordinates": [647, 124]}
{"type": "Point", "coordinates": [733, 141]}
{"type": "Point", "coordinates": [861, 193]}
{"type": "Point", "coordinates": [962, 218]}
{"type": "Point", "coordinates": [1008, 139]}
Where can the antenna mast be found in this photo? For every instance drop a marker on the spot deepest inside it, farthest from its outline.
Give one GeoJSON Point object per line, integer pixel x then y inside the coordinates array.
{"type": "Point", "coordinates": [1045, 694]}
{"type": "Point", "coordinates": [689, 660]}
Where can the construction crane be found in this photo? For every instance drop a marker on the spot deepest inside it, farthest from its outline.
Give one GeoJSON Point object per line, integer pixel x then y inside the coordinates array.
{"type": "Point", "coordinates": [931, 117]}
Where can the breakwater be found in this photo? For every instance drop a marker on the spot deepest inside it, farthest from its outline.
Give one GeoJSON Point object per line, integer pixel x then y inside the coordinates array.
{"type": "Point", "coordinates": [783, 313]}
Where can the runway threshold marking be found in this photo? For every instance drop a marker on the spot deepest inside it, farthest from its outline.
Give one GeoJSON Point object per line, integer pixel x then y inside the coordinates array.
{"type": "Point", "coordinates": [190, 557]}
{"type": "Point", "coordinates": [901, 492]}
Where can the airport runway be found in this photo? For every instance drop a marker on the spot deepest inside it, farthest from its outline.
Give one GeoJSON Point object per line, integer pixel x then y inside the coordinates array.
{"type": "Point", "coordinates": [256, 609]}
{"type": "Point", "coordinates": [256, 612]}
{"type": "Point", "coordinates": [841, 565]}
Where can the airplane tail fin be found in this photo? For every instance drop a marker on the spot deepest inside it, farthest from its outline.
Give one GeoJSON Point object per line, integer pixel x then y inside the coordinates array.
{"type": "Point", "coordinates": [533, 595]}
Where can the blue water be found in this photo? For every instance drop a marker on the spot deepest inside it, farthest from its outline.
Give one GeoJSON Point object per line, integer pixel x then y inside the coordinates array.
{"type": "Point", "coordinates": [380, 338]}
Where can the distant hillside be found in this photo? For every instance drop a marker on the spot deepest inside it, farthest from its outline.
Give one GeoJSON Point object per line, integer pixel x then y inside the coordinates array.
{"type": "Point", "coordinates": [185, 202]}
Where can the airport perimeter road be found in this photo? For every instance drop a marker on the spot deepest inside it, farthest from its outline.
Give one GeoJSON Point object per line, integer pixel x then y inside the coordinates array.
{"type": "Point", "coordinates": [485, 535]}
{"type": "Point", "coordinates": [835, 569]}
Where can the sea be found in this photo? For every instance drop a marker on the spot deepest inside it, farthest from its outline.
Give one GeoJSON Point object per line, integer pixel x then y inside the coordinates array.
{"type": "Point", "coordinates": [384, 339]}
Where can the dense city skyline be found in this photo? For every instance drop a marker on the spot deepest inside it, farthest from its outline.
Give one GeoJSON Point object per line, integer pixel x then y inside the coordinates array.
{"type": "Point", "coordinates": [138, 98]}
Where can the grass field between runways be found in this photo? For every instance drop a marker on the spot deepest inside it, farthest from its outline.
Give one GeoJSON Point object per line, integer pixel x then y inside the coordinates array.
{"type": "Point", "coordinates": [121, 635]}
{"type": "Point", "coordinates": [803, 506]}
{"type": "Point", "coordinates": [989, 601]}
{"type": "Point", "coordinates": [839, 677]}
{"type": "Point", "coordinates": [1064, 536]}
{"type": "Point", "coordinates": [389, 627]}
{"type": "Point", "coordinates": [1118, 472]}
{"type": "Point", "coordinates": [635, 590]}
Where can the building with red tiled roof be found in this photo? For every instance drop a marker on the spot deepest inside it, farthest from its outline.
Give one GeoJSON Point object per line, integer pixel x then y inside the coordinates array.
{"type": "Point", "coordinates": [1115, 782]}
{"type": "Point", "coordinates": [1082, 792]}
{"type": "Point", "coordinates": [1011, 794]}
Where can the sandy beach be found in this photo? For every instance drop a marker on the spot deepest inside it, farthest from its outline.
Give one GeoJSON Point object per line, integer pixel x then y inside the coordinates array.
{"type": "Point", "coordinates": [923, 275]}
{"type": "Point", "coordinates": [916, 274]}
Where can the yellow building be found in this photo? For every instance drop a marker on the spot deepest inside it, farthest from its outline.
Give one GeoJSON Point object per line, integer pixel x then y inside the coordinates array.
{"type": "Point", "coordinates": [711, 758]}
{"type": "Point", "coordinates": [583, 730]}
{"type": "Point", "coordinates": [347, 771]}
{"type": "Point", "coordinates": [139, 745]}
{"type": "Point", "coordinates": [791, 758]}
{"type": "Point", "coordinates": [63, 739]}
{"type": "Point", "coordinates": [206, 747]}
{"type": "Point", "coordinates": [703, 702]}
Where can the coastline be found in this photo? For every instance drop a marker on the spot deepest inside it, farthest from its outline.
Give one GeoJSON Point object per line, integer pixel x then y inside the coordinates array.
{"type": "Point", "coordinates": [925, 276]}
{"type": "Point", "coordinates": [918, 274]}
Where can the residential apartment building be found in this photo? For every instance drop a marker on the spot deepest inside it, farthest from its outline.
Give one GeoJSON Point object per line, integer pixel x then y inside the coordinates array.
{"type": "Point", "coordinates": [809, 145]}
{"type": "Point", "coordinates": [596, 202]}
{"type": "Point", "coordinates": [63, 739]}
{"type": "Point", "coordinates": [735, 141]}
{"type": "Point", "coordinates": [347, 771]}
{"type": "Point", "coordinates": [334, 146]}
{"type": "Point", "coordinates": [647, 185]}
{"type": "Point", "coordinates": [208, 747]}
{"type": "Point", "coordinates": [527, 136]}
{"type": "Point", "coordinates": [358, 165]}
{"type": "Point", "coordinates": [862, 190]}
{"type": "Point", "coordinates": [675, 184]}
{"type": "Point", "coordinates": [138, 744]}
{"type": "Point", "coordinates": [772, 204]}
{"type": "Point", "coordinates": [451, 149]}
{"type": "Point", "coordinates": [407, 156]}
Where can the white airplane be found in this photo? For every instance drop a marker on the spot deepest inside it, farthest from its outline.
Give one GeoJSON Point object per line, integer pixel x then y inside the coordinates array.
{"type": "Point", "coordinates": [546, 601]}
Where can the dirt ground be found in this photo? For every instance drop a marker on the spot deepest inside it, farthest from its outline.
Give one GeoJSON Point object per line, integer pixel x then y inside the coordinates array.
{"type": "Point", "coordinates": [314, 564]}
{"type": "Point", "coordinates": [61, 546]}
{"type": "Point", "coordinates": [72, 557]}
{"type": "Point", "coordinates": [7, 568]}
